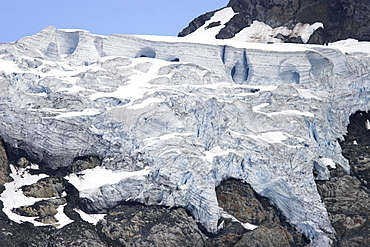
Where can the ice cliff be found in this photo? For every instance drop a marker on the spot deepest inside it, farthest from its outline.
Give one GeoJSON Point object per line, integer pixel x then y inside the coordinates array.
{"type": "Point", "coordinates": [176, 116]}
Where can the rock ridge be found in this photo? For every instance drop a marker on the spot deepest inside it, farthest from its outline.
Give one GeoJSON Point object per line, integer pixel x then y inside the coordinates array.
{"type": "Point", "coordinates": [341, 19]}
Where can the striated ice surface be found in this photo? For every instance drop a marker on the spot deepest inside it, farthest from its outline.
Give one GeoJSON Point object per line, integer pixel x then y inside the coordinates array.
{"type": "Point", "coordinates": [184, 114]}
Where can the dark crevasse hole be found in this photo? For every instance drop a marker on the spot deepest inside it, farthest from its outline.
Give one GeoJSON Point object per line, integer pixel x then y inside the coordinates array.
{"type": "Point", "coordinates": [246, 66]}
{"type": "Point", "coordinates": [223, 54]}
{"type": "Point", "coordinates": [175, 60]}
{"type": "Point", "coordinates": [147, 52]}
{"type": "Point", "coordinates": [240, 72]}
{"type": "Point", "coordinates": [290, 77]}
{"type": "Point", "coordinates": [312, 130]}
{"type": "Point", "coordinates": [233, 72]}
{"type": "Point", "coordinates": [314, 135]}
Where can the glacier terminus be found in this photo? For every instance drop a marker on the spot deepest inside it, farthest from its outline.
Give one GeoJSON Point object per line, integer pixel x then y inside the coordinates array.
{"type": "Point", "coordinates": [170, 118]}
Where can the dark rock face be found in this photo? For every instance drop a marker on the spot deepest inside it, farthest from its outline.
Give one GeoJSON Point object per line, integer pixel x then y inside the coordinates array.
{"type": "Point", "coordinates": [84, 163]}
{"type": "Point", "coordinates": [4, 165]}
{"type": "Point", "coordinates": [78, 233]}
{"type": "Point", "coordinates": [196, 23]}
{"type": "Point", "coordinates": [240, 200]}
{"type": "Point", "coordinates": [342, 19]}
{"type": "Point", "coordinates": [356, 147]}
{"type": "Point", "coordinates": [139, 225]}
{"type": "Point", "coordinates": [46, 187]}
{"type": "Point", "coordinates": [347, 197]}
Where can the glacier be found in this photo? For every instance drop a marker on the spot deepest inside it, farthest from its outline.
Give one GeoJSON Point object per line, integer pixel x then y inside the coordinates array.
{"type": "Point", "coordinates": [176, 116]}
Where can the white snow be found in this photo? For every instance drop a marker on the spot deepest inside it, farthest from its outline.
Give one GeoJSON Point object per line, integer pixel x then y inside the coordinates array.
{"type": "Point", "coordinates": [352, 46]}
{"type": "Point", "coordinates": [367, 124]}
{"type": "Point", "coordinates": [9, 67]}
{"type": "Point", "coordinates": [89, 181]}
{"type": "Point", "coordinates": [13, 197]}
{"type": "Point", "coordinates": [85, 112]}
{"type": "Point", "coordinates": [61, 217]}
{"type": "Point", "coordinates": [222, 16]}
{"type": "Point", "coordinates": [91, 218]}
{"type": "Point", "coordinates": [147, 102]}
{"type": "Point", "coordinates": [270, 137]}
{"type": "Point", "coordinates": [247, 226]}
{"type": "Point", "coordinates": [258, 108]}
{"type": "Point", "coordinates": [261, 32]}
{"type": "Point", "coordinates": [214, 152]}
{"type": "Point", "coordinates": [306, 30]}
{"type": "Point", "coordinates": [328, 162]}
{"type": "Point", "coordinates": [292, 112]}
{"type": "Point", "coordinates": [138, 86]}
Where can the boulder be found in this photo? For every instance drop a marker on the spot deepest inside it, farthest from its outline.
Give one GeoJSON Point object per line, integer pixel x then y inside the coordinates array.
{"type": "Point", "coordinates": [83, 163]}
{"type": "Point", "coordinates": [45, 187]}
{"type": "Point", "coordinates": [41, 208]}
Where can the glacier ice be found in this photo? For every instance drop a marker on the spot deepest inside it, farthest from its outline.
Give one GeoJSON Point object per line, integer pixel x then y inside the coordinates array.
{"type": "Point", "coordinates": [190, 112]}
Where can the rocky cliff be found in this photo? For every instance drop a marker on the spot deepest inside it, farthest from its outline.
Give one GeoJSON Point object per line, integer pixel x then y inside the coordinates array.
{"type": "Point", "coordinates": [163, 121]}
{"type": "Point", "coordinates": [341, 19]}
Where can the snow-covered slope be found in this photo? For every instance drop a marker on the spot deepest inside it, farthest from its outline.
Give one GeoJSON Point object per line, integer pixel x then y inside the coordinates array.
{"type": "Point", "coordinates": [176, 116]}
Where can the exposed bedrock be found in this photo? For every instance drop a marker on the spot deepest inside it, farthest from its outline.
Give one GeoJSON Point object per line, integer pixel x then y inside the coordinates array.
{"type": "Point", "coordinates": [4, 165]}
{"type": "Point", "coordinates": [347, 197]}
{"type": "Point", "coordinates": [186, 115]}
{"type": "Point", "coordinates": [46, 187]}
{"type": "Point", "coordinates": [240, 200]}
{"type": "Point", "coordinates": [342, 19]}
{"type": "Point", "coordinates": [139, 225]}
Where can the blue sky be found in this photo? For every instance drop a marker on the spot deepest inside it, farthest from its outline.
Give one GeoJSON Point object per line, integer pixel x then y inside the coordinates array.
{"type": "Point", "coordinates": [19, 18]}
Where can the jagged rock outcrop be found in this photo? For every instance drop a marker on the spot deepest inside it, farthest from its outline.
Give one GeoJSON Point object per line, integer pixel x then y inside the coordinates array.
{"type": "Point", "coordinates": [239, 200]}
{"type": "Point", "coordinates": [4, 165]}
{"type": "Point", "coordinates": [349, 209]}
{"type": "Point", "coordinates": [347, 197]}
{"type": "Point", "coordinates": [44, 188]}
{"type": "Point", "coordinates": [356, 147]}
{"type": "Point", "coordinates": [44, 210]}
{"type": "Point", "coordinates": [138, 225]}
{"type": "Point", "coordinates": [78, 233]}
{"type": "Point", "coordinates": [83, 163]}
{"type": "Point", "coordinates": [342, 19]}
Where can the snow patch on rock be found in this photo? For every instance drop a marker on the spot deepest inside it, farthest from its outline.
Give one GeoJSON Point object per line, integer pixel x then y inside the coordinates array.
{"type": "Point", "coordinates": [263, 33]}
{"type": "Point", "coordinates": [219, 18]}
